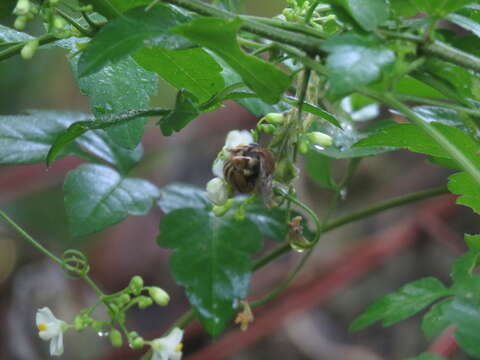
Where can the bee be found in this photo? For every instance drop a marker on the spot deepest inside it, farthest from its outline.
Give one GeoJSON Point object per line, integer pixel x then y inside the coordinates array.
{"type": "Point", "coordinates": [249, 168]}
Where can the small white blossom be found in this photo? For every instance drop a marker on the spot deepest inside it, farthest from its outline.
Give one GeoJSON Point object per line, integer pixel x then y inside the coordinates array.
{"type": "Point", "coordinates": [238, 137]}
{"type": "Point", "coordinates": [168, 347]}
{"type": "Point", "coordinates": [218, 191]}
{"type": "Point", "coordinates": [51, 328]}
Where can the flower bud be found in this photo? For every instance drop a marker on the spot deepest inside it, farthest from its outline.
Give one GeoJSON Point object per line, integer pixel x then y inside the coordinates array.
{"type": "Point", "coordinates": [320, 139]}
{"type": "Point", "coordinates": [159, 295]}
{"type": "Point", "coordinates": [303, 146]}
{"type": "Point", "coordinates": [116, 338]}
{"type": "Point", "coordinates": [20, 22]}
{"type": "Point", "coordinates": [79, 323]}
{"type": "Point", "coordinates": [137, 343]}
{"type": "Point", "coordinates": [222, 210]}
{"type": "Point", "coordinates": [144, 302]}
{"type": "Point", "coordinates": [22, 8]}
{"type": "Point", "coordinates": [136, 285]}
{"type": "Point", "coordinates": [274, 118]}
{"type": "Point", "coordinates": [59, 23]}
{"type": "Point", "coordinates": [123, 299]}
{"type": "Point", "coordinates": [218, 191]}
{"type": "Point", "coordinates": [29, 49]}
{"type": "Point", "coordinates": [267, 128]}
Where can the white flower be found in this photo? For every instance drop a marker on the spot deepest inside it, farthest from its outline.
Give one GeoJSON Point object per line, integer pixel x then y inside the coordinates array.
{"type": "Point", "coordinates": [218, 191]}
{"type": "Point", "coordinates": [238, 137]}
{"type": "Point", "coordinates": [168, 347]}
{"type": "Point", "coordinates": [51, 328]}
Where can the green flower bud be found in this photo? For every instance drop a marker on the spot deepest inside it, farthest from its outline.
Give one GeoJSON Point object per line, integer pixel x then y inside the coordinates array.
{"type": "Point", "coordinates": [267, 128]}
{"type": "Point", "coordinates": [22, 8]}
{"type": "Point", "coordinates": [159, 295]}
{"type": "Point", "coordinates": [274, 118]}
{"type": "Point", "coordinates": [137, 343]}
{"type": "Point", "coordinates": [58, 22]}
{"type": "Point", "coordinates": [144, 302]}
{"type": "Point", "coordinates": [303, 146]}
{"type": "Point", "coordinates": [136, 285]}
{"type": "Point", "coordinates": [123, 299]}
{"type": "Point", "coordinates": [98, 325]}
{"type": "Point", "coordinates": [320, 139]}
{"type": "Point", "coordinates": [116, 338]}
{"type": "Point", "coordinates": [79, 323]}
{"type": "Point", "coordinates": [20, 22]}
{"type": "Point", "coordinates": [29, 49]}
{"type": "Point", "coordinates": [221, 210]}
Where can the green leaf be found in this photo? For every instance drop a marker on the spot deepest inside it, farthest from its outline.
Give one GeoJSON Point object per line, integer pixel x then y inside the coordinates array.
{"type": "Point", "coordinates": [465, 23]}
{"type": "Point", "coordinates": [469, 342]}
{"type": "Point", "coordinates": [355, 61]}
{"type": "Point", "coordinates": [191, 69]}
{"type": "Point", "coordinates": [79, 128]}
{"type": "Point", "coordinates": [124, 5]}
{"type": "Point", "coordinates": [369, 14]}
{"type": "Point", "coordinates": [97, 196]}
{"type": "Point", "coordinates": [473, 241]}
{"type": "Point", "coordinates": [315, 110]}
{"type": "Point", "coordinates": [186, 109]}
{"type": "Point", "coordinates": [435, 320]}
{"type": "Point", "coordinates": [212, 261]}
{"type": "Point", "coordinates": [427, 356]}
{"type": "Point", "coordinates": [118, 88]}
{"type": "Point", "coordinates": [463, 266]}
{"type": "Point", "coordinates": [403, 8]}
{"type": "Point", "coordinates": [9, 35]}
{"type": "Point", "coordinates": [128, 33]}
{"type": "Point", "coordinates": [414, 139]}
{"type": "Point", "coordinates": [410, 86]}
{"type": "Point", "coordinates": [397, 306]}
{"type": "Point", "coordinates": [220, 36]}
{"type": "Point", "coordinates": [272, 223]}
{"type": "Point", "coordinates": [439, 7]}
{"type": "Point", "coordinates": [26, 139]}
{"type": "Point", "coordinates": [318, 167]}
{"type": "Point", "coordinates": [463, 184]}
{"type": "Point", "coordinates": [6, 7]}
{"type": "Point", "coordinates": [178, 196]}
{"type": "Point", "coordinates": [465, 315]}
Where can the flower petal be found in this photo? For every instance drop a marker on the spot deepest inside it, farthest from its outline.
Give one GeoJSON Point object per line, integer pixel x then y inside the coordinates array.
{"type": "Point", "coordinates": [171, 341]}
{"type": "Point", "coordinates": [56, 345]}
{"type": "Point", "coordinates": [217, 168]}
{"type": "Point", "coordinates": [238, 137]}
{"type": "Point", "coordinates": [45, 316]}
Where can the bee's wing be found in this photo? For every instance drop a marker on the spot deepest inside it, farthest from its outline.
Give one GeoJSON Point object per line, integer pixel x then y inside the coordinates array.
{"type": "Point", "coordinates": [264, 184]}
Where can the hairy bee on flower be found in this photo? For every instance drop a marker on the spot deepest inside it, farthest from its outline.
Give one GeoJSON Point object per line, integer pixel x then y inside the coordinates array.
{"type": "Point", "coordinates": [249, 168]}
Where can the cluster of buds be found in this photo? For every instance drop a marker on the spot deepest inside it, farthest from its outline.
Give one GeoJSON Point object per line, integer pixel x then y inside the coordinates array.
{"type": "Point", "coordinates": [51, 329]}
{"type": "Point", "coordinates": [27, 10]}
{"type": "Point", "coordinates": [298, 10]}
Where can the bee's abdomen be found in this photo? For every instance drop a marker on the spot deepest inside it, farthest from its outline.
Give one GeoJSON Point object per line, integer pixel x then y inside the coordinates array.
{"type": "Point", "coordinates": [237, 179]}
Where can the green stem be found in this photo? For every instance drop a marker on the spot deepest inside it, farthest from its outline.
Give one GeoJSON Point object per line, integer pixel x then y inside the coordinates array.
{"type": "Point", "coordinates": [306, 42]}
{"type": "Point", "coordinates": [433, 132]}
{"type": "Point", "coordinates": [434, 102]}
{"type": "Point", "coordinates": [29, 239]}
{"type": "Point", "coordinates": [15, 49]}
{"type": "Point", "coordinates": [375, 209]}
{"type": "Point", "coordinates": [439, 49]}
{"type": "Point", "coordinates": [294, 27]}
